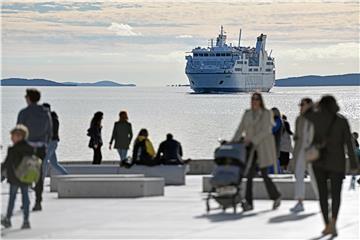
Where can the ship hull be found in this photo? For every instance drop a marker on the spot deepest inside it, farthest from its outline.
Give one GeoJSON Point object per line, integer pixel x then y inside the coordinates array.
{"type": "Point", "coordinates": [230, 82]}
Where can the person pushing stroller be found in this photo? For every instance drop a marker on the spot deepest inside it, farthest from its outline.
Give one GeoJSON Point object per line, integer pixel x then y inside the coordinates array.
{"type": "Point", "coordinates": [255, 128]}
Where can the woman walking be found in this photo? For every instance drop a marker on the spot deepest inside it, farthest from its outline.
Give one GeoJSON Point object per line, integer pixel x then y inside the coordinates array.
{"type": "Point", "coordinates": [332, 132]}
{"type": "Point", "coordinates": [256, 128]}
{"type": "Point", "coordinates": [122, 135]}
{"type": "Point", "coordinates": [304, 132]}
{"type": "Point", "coordinates": [94, 132]}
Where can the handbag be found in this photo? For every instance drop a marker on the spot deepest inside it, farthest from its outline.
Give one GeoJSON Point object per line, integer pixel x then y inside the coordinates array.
{"type": "Point", "coordinates": [312, 153]}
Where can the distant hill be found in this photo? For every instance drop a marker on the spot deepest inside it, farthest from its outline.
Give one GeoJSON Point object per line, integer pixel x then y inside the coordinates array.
{"type": "Point", "coordinates": [313, 80]}
{"type": "Point", "coordinates": [50, 83]}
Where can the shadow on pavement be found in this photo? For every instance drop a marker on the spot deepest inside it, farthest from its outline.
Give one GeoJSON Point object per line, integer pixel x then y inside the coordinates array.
{"type": "Point", "coordinates": [220, 217]}
{"type": "Point", "coordinates": [290, 217]}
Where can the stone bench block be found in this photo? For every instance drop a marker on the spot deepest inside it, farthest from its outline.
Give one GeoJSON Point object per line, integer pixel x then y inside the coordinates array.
{"type": "Point", "coordinates": [285, 184]}
{"type": "Point", "coordinates": [201, 166]}
{"type": "Point", "coordinates": [110, 187]}
{"type": "Point", "coordinates": [173, 174]}
{"type": "Point", "coordinates": [89, 169]}
{"type": "Point", "coordinates": [56, 178]}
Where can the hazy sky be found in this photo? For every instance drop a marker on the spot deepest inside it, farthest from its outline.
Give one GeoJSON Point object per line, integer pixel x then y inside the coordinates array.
{"type": "Point", "coordinates": [145, 42]}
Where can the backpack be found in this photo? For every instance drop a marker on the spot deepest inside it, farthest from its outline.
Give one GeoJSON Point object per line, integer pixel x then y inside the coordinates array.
{"type": "Point", "coordinates": [29, 169]}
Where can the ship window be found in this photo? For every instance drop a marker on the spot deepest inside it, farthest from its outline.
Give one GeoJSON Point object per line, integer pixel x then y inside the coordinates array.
{"type": "Point", "coordinates": [200, 54]}
{"type": "Point", "coordinates": [268, 70]}
{"type": "Point", "coordinates": [195, 54]}
{"type": "Point", "coordinates": [250, 69]}
{"type": "Point", "coordinates": [239, 62]}
{"type": "Point", "coordinates": [206, 54]}
{"type": "Point", "coordinates": [221, 82]}
{"type": "Point", "coordinates": [223, 54]}
{"type": "Point", "coordinates": [212, 54]}
{"type": "Point", "coordinates": [218, 54]}
{"type": "Point", "coordinates": [238, 69]}
{"type": "Point", "coordinates": [269, 63]}
{"type": "Point", "coordinates": [228, 54]}
{"type": "Point", "coordinates": [256, 69]}
{"type": "Point", "coordinates": [245, 62]}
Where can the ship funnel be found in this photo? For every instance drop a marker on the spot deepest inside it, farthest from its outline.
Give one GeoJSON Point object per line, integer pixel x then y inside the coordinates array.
{"type": "Point", "coordinates": [260, 43]}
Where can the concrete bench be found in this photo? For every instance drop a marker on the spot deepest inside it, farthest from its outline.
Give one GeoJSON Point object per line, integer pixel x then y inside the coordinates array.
{"type": "Point", "coordinates": [110, 187]}
{"type": "Point", "coordinates": [173, 174]}
{"type": "Point", "coordinates": [201, 166]}
{"type": "Point", "coordinates": [89, 169]}
{"type": "Point", "coordinates": [285, 184]}
{"type": "Point", "coordinates": [54, 180]}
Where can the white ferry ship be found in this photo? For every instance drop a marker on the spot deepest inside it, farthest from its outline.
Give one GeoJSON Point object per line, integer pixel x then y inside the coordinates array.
{"type": "Point", "coordinates": [227, 68]}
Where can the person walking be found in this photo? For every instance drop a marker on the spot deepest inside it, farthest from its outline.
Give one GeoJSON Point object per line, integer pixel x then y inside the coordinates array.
{"type": "Point", "coordinates": [38, 121]}
{"type": "Point", "coordinates": [304, 132]}
{"type": "Point", "coordinates": [122, 135]}
{"type": "Point", "coordinates": [256, 129]}
{"type": "Point", "coordinates": [94, 132]}
{"type": "Point", "coordinates": [51, 150]}
{"type": "Point", "coordinates": [332, 133]}
{"type": "Point", "coordinates": [13, 159]}
{"type": "Point", "coordinates": [143, 151]}
{"type": "Point", "coordinates": [285, 145]}
{"type": "Point", "coordinates": [277, 131]}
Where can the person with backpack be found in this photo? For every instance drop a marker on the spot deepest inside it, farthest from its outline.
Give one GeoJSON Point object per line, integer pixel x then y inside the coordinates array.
{"type": "Point", "coordinates": [285, 145]}
{"type": "Point", "coordinates": [51, 151]}
{"type": "Point", "coordinates": [38, 121]}
{"type": "Point", "coordinates": [332, 133]}
{"type": "Point", "coordinates": [122, 135]}
{"type": "Point", "coordinates": [143, 151]}
{"type": "Point", "coordinates": [94, 132]}
{"type": "Point", "coordinates": [15, 155]}
{"type": "Point", "coordinates": [256, 130]}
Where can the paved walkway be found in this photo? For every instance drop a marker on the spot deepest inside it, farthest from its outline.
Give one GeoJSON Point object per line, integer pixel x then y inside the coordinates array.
{"type": "Point", "coordinates": [179, 214]}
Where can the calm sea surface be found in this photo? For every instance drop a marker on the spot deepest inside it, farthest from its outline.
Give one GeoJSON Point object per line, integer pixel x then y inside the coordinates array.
{"type": "Point", "coordinates": [196, 120]}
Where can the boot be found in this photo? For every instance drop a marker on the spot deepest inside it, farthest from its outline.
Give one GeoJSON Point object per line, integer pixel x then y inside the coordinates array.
{"type": "Point", "coordinates": [37, 207]}
{"type": "Point", "coordinates": [6, 222]}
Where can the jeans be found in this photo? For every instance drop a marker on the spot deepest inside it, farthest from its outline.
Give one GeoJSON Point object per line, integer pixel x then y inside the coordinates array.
{"type": "Point", "coordinates": [51, 156]}
{"type": "Point", "coordinates": [25, 200]}
{"type": "Point", "coordinates": [122, 153]}
{"type": "Point", "coordinates": [39, 187]}
{"type": "Point", "coordinates": [97, 155]}
{"type": "Point", "coordinates": [336, 180]}
{"type": "Point", "coordinates": [271, 188]}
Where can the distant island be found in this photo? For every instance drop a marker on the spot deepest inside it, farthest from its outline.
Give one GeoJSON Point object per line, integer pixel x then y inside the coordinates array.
{"type": "Point", "coordinates": [352, 79]}
{"type": "Point", "coordinates": [50, 83]}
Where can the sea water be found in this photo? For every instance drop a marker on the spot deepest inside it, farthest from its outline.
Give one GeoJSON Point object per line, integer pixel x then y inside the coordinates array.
{"type": "Point", "coordinates": [196, 120]}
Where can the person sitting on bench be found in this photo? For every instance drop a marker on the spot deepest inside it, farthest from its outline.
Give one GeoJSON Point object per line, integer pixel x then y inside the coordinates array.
{"type": "Point", "coordinates": [143, 152]}
{"type": "Point", "coordinates": [170, 152]}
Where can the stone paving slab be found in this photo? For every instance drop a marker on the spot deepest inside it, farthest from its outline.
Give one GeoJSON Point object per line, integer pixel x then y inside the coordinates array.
{"type": "Point", "coordinates": [180, 214]}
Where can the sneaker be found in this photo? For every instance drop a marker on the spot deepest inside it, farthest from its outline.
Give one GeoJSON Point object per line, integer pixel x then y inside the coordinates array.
{"type": "Point", "coordinates": [246, 206]}
{"type": "Point", "coordinates": [6, 222]}
{"type": "Point", "coordinates": [299, 207]}
{"type": "Point", "coordinates": [26, 225]}
{"type": "Point", "coordinates": [277, 203]}
{"type": "Point", "coordinates": [37, 207]}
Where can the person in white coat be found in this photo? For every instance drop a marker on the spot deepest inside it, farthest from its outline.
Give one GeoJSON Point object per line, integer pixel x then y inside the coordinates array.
{"type": "Point", "coordinates": [256, 129]}
{"type": "Point", "coordinates": [304, 133]}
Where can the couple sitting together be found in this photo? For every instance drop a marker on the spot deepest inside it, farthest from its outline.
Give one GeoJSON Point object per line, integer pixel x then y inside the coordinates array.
{"type": "Point", "coordinates": [169, 152]}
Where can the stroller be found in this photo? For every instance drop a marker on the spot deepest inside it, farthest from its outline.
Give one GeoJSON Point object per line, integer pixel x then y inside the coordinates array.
{"type": "Point", "coordinates": [231, 165]}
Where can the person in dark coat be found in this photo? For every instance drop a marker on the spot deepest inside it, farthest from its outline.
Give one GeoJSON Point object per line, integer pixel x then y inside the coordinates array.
{"type": "Point", "coordinates": [332, 131]}
{"type": "Point", "coordinates": [38, 121]}
{"type": "Point", "coordinates": [94, 132]}
{"type": "Point", "coordinates": [13, 159]}
{"type": "Point", "coordinates": [122, 135]}
{"type": "Point", "coordinates": [170, 151]}
{"type": "Point", "coordinates": [143, 151]}
{"type": "Point", "coordinates": [53, 144]}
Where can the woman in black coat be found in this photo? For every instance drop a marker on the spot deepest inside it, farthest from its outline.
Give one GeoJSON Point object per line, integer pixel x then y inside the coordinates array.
{"type": "Point", "coordinates": [94, 132]}
{"type": "Point", "coordinates": [332, 131]}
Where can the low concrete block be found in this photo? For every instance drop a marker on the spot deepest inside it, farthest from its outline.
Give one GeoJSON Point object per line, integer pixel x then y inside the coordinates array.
{"type": "Point", "coordinates": [110, 187]}
{"type": "Point", "coordinates": [89, 169]}
{"type": "Point", "coordinates": [201, 166]}
{"type": "Point", "coordinates": [54, 180]}
{"type": "Point", "coordinates": [285, 184]}
{"type": "Point", "coordinates": [173, 174]}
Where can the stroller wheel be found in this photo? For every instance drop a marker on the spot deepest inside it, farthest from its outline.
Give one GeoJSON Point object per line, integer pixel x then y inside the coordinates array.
{"type": "Point", "coordinates": [224, 209]}
{"type": "Point", "coordinates": [207, 206]}
{"type": "Point", "coordinates": [234, 209]}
